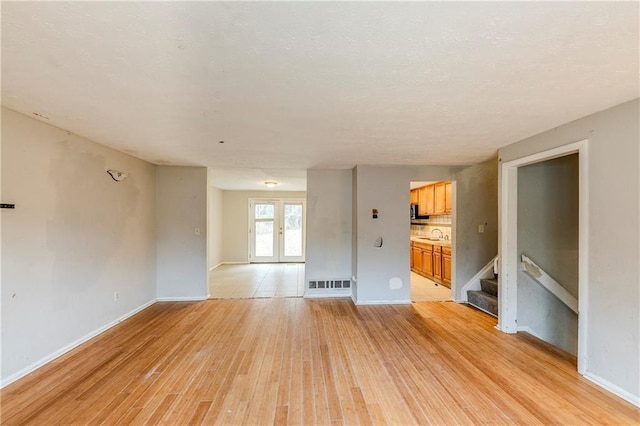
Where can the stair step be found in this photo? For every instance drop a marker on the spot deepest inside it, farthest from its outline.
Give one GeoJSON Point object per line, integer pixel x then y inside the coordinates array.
{"type": "Point", "coordinates": [484, 301]}
{"type": "Point", "coordinates": [489, 286]}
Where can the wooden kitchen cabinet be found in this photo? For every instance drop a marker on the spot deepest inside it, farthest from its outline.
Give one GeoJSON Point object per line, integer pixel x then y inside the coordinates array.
{"type": "Point", "coordinates": [414, 196]}
{"type": "Point", "coordinates": [439, 195]}
{"type": "Point", "coordinates": [437, 262]}
{"type": "Point", "coordinates": [416, 259]}
{"type": "Point", "coordinates": [448, 198]}
{"type": "Point", "coordinates": [432, 261]}
{"type": "Point", "coordinates": [433, 199]}
{"type": "Point", "coordinates": [446, 265]}
{"type": "Point", "coordinates": [425, 200]}
{"type": "Point", "coordinates": [427, 260]}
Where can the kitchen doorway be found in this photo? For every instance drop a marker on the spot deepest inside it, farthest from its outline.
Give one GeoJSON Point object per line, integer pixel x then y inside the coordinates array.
{"type": "Point", "coordinates": [277, 230]}
{"type": "Point", "coordinates": [431, 238]}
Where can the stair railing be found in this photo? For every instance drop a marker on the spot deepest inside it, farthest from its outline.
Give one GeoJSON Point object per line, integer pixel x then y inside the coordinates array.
{"type": "Point", "coordinates": [542, 278]}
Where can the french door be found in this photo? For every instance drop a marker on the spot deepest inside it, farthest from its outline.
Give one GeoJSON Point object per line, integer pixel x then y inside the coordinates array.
{"type": "Point", "coordinates": [276, 230]}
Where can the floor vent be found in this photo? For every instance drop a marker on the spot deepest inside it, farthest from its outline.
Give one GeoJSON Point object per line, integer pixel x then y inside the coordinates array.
{"type": "Point", "coordinates": [329, 284]}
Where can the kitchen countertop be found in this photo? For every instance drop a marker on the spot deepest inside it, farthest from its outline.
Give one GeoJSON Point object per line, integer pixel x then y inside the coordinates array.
{"type": "Point", "coordinates": [442, 243]}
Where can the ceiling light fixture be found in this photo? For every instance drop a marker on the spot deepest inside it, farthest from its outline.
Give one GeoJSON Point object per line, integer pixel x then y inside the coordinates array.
{"type": "Point", "coordinates": [271, 184]}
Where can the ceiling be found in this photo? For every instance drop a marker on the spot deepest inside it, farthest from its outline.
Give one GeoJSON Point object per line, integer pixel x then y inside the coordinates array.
{"type": "Point", "coordinates": [298, 85]}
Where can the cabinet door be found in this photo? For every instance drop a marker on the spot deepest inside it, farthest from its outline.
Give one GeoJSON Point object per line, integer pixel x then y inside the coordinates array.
{"type": "Point", "coordinates": [437, 263]}
{"type": "Point", "coordinates": [416, 254]}
{"type": "Point", "coordinates": [414, 196]}
{"type": "Point", "coordinates": [411, 256]}
{"type": "Point", "coordinates": [439, 198]}
{"type": "Point", "coordinates": [426, 200]}
{"type": "Point", "coordinates": [448, 200]}
{"type": "Point", "coordinates": [427, 262]}
{"type": "Point", "coordinates": [446, 268]}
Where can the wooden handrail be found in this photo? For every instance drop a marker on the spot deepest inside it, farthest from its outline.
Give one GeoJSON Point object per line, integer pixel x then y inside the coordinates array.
{"type": "Point", "coordinates": [542, 278]}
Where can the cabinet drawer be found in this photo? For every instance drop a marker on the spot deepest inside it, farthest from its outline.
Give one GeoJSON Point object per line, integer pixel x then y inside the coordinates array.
{"type": "Point", "coordinates": [446, 250]}
{"type": "Point", "coordinates": [437, 249]}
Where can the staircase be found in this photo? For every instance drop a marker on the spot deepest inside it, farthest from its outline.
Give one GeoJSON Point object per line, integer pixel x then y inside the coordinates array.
{"type": "Point", "coordinates": [487, 298]}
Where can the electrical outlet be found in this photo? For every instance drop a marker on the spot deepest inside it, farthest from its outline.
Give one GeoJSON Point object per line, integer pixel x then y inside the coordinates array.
{"type": "Point", "coordinates": [480, 229]}
{"type": "Point", "coordinates": [116, 296]}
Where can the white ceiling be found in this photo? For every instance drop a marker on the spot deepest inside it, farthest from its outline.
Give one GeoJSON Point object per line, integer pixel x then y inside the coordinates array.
{"type": "Point", "coordinates": [297, 85]}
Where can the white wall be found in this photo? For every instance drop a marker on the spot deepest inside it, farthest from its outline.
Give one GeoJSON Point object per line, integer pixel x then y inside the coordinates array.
{"type": "Point", "coordinates": [328, 224]}
{"type": "Point", "coordinates": [235, 235]}
{"type": "Point", "coordinates": [214, 226]}
{"type": "Point", "coordinates": [75, 238]}
{"type": "Point", "coordinates": [385, 189]}
{"type": "Point", "coordinates": [613, 317]}
{"type": "Point", "coordinates": [476, 203]}
{"type": "Point", "coordinates": [182, 254]}
{"type": "Point", "coordinates": [548, 234]}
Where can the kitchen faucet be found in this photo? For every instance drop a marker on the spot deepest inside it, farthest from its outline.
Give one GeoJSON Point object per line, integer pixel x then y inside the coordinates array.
{"type": "Point", "coordinates": [439, 230]}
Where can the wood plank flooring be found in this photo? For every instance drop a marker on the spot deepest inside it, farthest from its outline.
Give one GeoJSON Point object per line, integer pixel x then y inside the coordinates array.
{"type": "Point", "coordinates": [303, 362]}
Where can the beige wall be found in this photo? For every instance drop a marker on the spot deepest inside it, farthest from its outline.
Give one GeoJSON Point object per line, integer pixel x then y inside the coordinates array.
{"type": "Point", "coordinates": [328, 224]}
{"type": "Point", "coordinates": [75, 238]}
{"type": "Point", "coordinates": [182, 251]}
{"type": "Point", "coordinates": [235, 235]}
{"type": "Point", "coordinates": [215, 226]}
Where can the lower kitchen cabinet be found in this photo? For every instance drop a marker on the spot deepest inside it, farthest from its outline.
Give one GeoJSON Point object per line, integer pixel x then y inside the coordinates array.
{"type": "Point", "coordinates": [432, 261]}
{"type": "Point", "coordinates": [446, 265]}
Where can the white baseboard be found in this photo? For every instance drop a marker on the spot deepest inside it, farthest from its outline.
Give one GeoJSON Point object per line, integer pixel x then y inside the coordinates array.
{"type": "Point", "coordinates": [72, 345]}
{"type": "Point", "coordinates": [326, 295]}
{"type": "Point", "coordinates": [614, 389]}
{"type": "Point", "coordinates": [214, 267]}
{"type": "Point", "coordinates": [474, 282]}
{"type": "Point", "coordinates": [384, 302]}
{"type": "Point", "coordinates": [528, 329]}
{"type": "Point", "coordinates": [235, 263]}
{"type": "Point", "coordinates": [182, 299]}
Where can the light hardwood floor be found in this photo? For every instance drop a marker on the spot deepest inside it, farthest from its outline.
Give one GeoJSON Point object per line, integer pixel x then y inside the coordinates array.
{"type": "Point", "coordinates": [297, 361]}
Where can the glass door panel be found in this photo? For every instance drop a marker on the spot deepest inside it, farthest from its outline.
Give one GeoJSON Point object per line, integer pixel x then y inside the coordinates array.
{"type": "Point", "coordinates": [276, 231]}
{"type": "Point", "coordinates": [264, 241]}
{"type": "Point", "coordinates": [292, 230]}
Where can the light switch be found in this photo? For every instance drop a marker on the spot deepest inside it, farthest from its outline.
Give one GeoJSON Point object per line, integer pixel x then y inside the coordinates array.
{"type": "Point", "coordinates": [480, 229]}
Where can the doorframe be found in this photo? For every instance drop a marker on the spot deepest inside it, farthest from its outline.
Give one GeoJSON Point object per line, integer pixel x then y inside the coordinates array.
{"type": "Point", "coordinates": [508, 240]}
{"type": "Point", "coordinates": [280, 201]}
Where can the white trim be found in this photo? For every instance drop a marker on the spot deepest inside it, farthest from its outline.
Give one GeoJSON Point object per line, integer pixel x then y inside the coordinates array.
{"type": "Point", "coordinates": [614, 389]}
{"type": "Point", "coordinates": [541, 277]}
{"type": "Point", "coordinates": [508, 238]}
{"type": "Point", "coordinates": [474, 282]}
{"type": "Point", "coordinates": [214, 267]}
{"type": "Point", "coordinates": [384, 302]}
{"type": "Point", "coordinates": [327, 295]}
{"type": "Point", "coordinates": [182, 299]}
{"type": "Point", "coordinates": [47, 359]}
{"type": "Point", "coordinates": [528, 329]}
{"type": "Point", "coordinates": [235, 263]}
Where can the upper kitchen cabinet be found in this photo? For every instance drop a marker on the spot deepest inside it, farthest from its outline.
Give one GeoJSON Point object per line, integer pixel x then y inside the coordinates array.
{"type": "Point", "coordinates": [414, 196]}
{"type": "Point", "coordinates": [434, 199]}
{"type": "Point", "coordinates": [448, 198]}
{"type": "Point", "coordinates": [426, 200]}
{"type": "Point", "coordinates": [439, 198]}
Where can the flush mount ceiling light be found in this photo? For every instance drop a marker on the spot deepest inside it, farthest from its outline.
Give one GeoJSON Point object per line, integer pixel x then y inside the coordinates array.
{"type": "Point", "coordinates": [271, 184]}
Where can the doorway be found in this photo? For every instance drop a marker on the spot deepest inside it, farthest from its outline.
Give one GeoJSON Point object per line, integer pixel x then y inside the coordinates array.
{"type": "Point", "coordinates": [277, 230]}
{"type": "Point", "coordinates": [431, 241]}
{"type": "Point", "coordinates": [509, 258]}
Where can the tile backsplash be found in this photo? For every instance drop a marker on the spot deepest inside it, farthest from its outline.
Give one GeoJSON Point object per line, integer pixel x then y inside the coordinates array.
{"type": "Point", "coordinates": [427, 229]}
